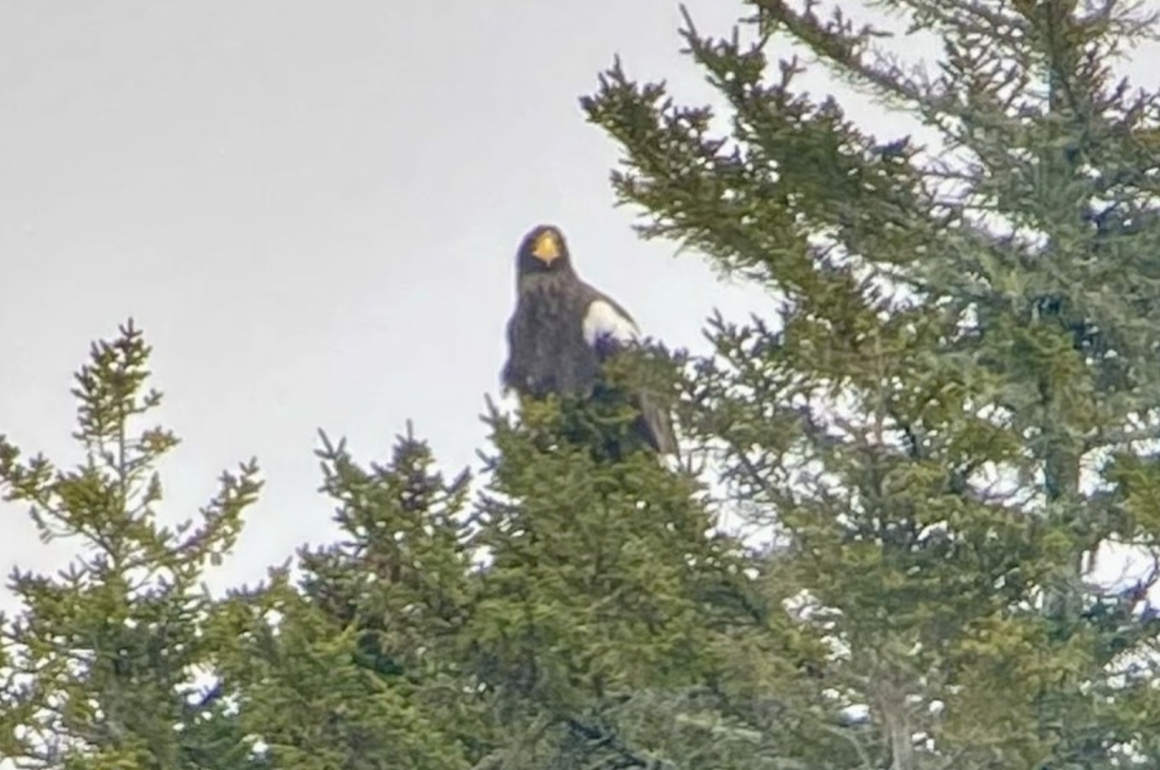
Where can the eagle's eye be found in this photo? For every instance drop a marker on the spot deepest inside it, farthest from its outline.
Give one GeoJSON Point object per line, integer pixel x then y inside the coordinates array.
{"type": "Point", "coordinates": [547, 247]}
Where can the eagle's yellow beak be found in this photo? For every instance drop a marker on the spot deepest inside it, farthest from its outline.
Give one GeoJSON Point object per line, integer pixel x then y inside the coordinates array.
{"type": "Point", "coordinates": [547, 247]}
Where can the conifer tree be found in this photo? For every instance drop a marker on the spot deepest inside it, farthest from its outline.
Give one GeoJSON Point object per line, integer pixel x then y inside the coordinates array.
{"type": "Point", "coordinates": [956, 410]}
{"type": "Point", "coordinates": [356, 664]}
{"type": "Point", "coordinates": [99, 668]}
{"type": "Point", "coordinates": [605, 585]}
{"type": "Point", "coordinates": [950, 420]}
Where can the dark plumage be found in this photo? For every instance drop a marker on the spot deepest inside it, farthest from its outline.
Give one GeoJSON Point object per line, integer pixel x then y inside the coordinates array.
{"type": "Point", "coordinates": [563, 330]}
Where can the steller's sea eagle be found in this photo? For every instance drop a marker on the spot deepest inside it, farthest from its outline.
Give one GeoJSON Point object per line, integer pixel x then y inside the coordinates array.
{"type": "Point", "coordinates": [563, 330]}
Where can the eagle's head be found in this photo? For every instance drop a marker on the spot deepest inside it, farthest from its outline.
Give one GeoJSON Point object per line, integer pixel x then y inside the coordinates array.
{"type": "Point", "coordinates": [543, 250]}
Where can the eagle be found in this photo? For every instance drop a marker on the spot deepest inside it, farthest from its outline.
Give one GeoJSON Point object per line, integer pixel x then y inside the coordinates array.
{"type": "Point", "coordinates": [563, 331]}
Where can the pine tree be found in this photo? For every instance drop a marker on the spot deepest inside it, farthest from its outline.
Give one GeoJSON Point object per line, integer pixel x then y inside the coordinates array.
{"type": "Point", "coordinates": [356, 664]}
{"type": "Point", "coordinates": [953, 415]}
{"type": "Point", "coordinates": [99, 668]}
{"type": "Point", "coordinates": [955, 411]}
{"type": "Point", "coordinates": [605, 587]}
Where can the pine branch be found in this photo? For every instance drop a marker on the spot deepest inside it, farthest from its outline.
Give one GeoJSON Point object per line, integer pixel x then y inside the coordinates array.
{"type": "Point", "coordinates": [625, 757]}
{"type": "Point", "coordinates": [1110, 438]}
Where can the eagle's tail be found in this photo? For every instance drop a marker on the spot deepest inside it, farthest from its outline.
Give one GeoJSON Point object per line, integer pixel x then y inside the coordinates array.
{"type": "Point", "coordinates": [655, 426]}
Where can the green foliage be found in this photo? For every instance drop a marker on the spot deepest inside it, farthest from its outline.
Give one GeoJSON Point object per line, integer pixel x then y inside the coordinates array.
{"type": "Point", "coordinates": [596, 570]}
{"type": "Point", "coordinates": [956, 410]}
{"type": "Point", "coordinates": [309, 698]}
{"type": "Point", "coordinates": [354, 668]}
{"type": "Point", "coordinates": [99, 666]}
{"type": "Point", "coordinates": [967, 333]}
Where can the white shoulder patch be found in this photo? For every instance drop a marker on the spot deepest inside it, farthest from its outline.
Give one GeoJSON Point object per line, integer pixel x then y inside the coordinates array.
{"type": "Point", "coordinates": [603, 321]}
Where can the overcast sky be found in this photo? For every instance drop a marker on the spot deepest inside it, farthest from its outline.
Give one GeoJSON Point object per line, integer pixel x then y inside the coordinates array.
{"type": "Point", "coordinates": [311, 209]}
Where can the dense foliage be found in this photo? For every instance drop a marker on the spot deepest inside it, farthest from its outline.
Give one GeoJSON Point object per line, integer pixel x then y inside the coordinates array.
{"type": "Point", "coordinates": [955, 412]}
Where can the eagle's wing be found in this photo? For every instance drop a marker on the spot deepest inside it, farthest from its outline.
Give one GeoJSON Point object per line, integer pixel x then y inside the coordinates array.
{"type": "Point", "coordinates": [511, 374]}
{"type": "Point", "coordinates": [655, 426]}
{"type": "Point", "coordinates": [608, 329]}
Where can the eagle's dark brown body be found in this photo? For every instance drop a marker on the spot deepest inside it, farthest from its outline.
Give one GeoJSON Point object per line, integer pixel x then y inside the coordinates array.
{"type": "Point", "coordinates": [547, 355]}
{"type": "Point", "coordinates": [563, 330]}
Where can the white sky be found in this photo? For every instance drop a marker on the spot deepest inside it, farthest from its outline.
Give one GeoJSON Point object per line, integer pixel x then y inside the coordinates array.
{"type": "Point", "coordinates": [311, 210]}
